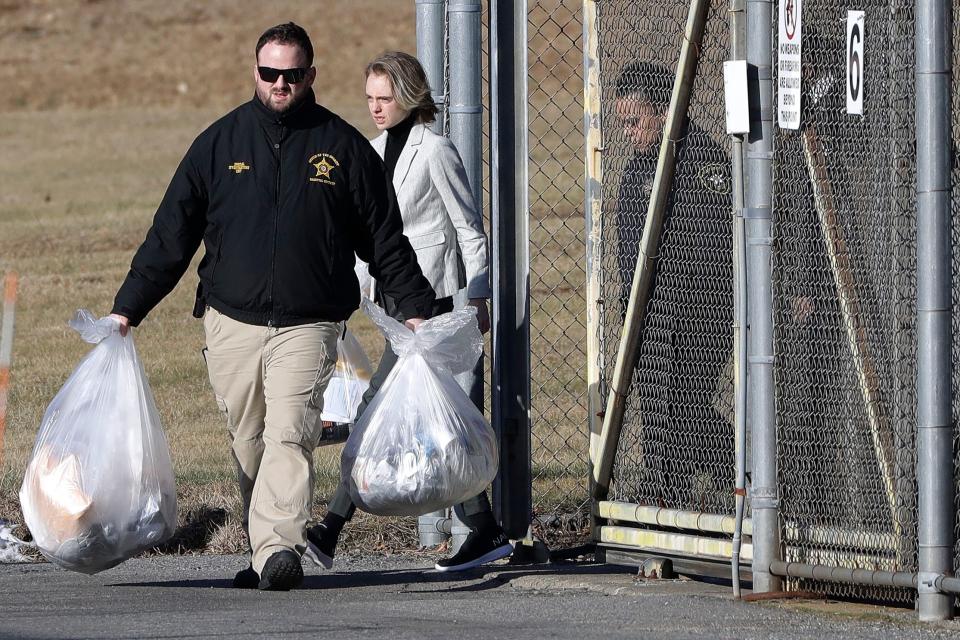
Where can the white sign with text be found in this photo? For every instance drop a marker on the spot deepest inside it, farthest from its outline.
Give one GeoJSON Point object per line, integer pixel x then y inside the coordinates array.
{"type": "Point", "coordinates": [788, 65]}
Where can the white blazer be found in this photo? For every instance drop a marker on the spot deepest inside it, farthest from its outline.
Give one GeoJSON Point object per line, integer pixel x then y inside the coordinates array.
{"type": "Point", "coordinates": [440, 216]}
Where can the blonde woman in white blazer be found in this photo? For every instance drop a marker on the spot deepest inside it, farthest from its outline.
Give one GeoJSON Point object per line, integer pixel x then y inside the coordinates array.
{"type": "Point", "coordinates": [440, 216]}
{"type": "Point", "coordinates": [441, 219]}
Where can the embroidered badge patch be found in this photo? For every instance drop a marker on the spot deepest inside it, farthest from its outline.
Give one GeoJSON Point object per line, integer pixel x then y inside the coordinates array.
{"type": "Point", "coordinates": [715, 177]}
{"type": "Point", "coordinates": [324, 164]}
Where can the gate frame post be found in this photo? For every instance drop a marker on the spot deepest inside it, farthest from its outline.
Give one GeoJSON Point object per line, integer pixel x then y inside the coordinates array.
{"type": "Point", "coordinates": [758, 205]}
{"type": "Point", "coordinates": [933, 42]}
{"type": "Point", "coordinates": [510, 273]}
{"type": "Point", "coordinates": [593, 219]}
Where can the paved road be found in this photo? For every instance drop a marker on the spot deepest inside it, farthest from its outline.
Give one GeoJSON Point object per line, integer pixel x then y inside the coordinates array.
{"type": "Point", "coordinates": [399, 598]}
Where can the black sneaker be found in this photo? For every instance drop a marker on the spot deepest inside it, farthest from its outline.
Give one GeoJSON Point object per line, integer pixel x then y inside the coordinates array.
{"type": "Point", "coordinates": [281, 572]}
{"type": "Point", "coordinates": [476, 550]}
{"type": "Point", "coordinates": [321, 544]}
{"type": "Point", "coordinates": [246, 579]}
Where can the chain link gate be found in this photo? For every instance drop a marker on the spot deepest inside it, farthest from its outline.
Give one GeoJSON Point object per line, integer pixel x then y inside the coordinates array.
{"type": "Point", "coordinates": [844, 294]}
{"type": "Point", "coordinates": [676, 445]}
{"type": "Point", "coordinates": [844, 297]}
{"type": "Point", "coordinates": [844, 287]}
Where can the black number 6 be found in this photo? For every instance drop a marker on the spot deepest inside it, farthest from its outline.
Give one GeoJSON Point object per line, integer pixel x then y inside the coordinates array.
{"type": "Point", "coordinates": [854, 62]}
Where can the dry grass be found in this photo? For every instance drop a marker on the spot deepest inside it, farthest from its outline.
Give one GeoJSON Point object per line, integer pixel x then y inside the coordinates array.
{"type": "Point", "coordinates": [114, 53]}
{"type": "Point", "coordinates": [88, 150]}
{"type": "Point", "coordinates": [89, 146]}
{"type": "Point", "coordinates": [71, 240]}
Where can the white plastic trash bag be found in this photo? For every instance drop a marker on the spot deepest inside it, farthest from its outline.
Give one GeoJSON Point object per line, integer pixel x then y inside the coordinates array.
{"type": "Point", "coordinates": [421, 444]}
{"type": "Point", "coordinates": [99, 485]}
{"type": "Point", "coordinates": [350, 380]}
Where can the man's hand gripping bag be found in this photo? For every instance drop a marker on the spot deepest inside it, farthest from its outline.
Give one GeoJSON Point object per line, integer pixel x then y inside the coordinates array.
{"type": "Point", "coordinates": [99, 485]}
{"type": "Point", "coordinates": [421, 445]}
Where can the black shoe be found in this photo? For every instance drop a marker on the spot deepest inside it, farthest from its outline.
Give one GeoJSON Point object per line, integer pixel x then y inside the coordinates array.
{"type": "Point", "coordinates": [281, 572]}
{"type": "Point", "coordinates": [246, 579]}
{"type": "Point", "coordinates": [321, 544]}
{"type": "Point", "coordinates": [476, 550]}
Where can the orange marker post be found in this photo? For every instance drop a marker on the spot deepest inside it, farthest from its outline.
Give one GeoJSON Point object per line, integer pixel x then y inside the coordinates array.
{"type": "Point", "coordinates": [6, 349]}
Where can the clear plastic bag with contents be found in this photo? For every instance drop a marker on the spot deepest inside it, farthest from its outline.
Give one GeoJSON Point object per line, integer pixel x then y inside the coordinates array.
{"type": "Point", "coordinates": [99, 485]}
{"type": "Point", "coordinates": [421, 444]}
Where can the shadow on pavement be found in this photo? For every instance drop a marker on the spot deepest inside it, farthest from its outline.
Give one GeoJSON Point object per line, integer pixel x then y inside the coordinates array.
{"type": "Point", "coordinates": [479, 579]}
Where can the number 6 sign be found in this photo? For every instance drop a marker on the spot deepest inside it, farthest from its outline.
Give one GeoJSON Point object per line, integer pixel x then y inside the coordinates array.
{"type": "Point", "coordinates": [855, 62]}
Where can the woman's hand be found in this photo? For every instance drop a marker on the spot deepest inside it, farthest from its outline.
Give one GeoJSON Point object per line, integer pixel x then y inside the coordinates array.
{"type": "Point", "coordinates": [483, 315]}
{"type": "Point", "coordinates": [123, 321]}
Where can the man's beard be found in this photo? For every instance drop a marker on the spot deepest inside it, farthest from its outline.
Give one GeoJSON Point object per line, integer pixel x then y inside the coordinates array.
{"type": "Point", "coordinates": [268, 103]}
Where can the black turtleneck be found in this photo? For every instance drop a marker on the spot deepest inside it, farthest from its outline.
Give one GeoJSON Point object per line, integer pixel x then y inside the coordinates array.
{"type": "Point", "coordinates": [396, 138]}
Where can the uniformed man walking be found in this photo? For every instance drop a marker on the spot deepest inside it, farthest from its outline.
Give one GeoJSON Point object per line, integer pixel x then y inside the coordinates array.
{"type": "Point", "coordinates": [282, 193]}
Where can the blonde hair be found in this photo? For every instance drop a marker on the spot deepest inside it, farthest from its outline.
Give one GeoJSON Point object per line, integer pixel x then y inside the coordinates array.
{"type": "Point", "coordinates": [409, 81]}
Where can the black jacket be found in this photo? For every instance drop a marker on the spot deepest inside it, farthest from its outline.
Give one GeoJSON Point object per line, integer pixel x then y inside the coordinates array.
{"type": "Point", "coordinates": [281, 204]}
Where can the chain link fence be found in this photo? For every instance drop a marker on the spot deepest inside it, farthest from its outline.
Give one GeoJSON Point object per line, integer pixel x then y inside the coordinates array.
{"type": "Point", "coordinates": [844, 283]}
{"type": "Point", "coordinates": [844, 295]}
{"type": "Point", "coordinates": [955, 206]}
{"type": "Point", "coordinates": [676, 446]}
{"type": "Point", "coordinates": [844, 286]}
{"type": "Point", "coordinates": [560, 438]}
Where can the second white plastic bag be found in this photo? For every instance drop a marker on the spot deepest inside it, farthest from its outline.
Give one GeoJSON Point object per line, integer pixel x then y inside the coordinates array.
{"type": "Point", "coordinates": [99, 486]}
{"type": "Point", "coordinates": [421, 444]}
{"type": "Point", "coordinates": [349, 381]}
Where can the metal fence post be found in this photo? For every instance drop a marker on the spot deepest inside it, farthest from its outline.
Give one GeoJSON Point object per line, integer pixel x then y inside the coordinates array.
{"type": "Point", "coordinates": [466, 112]}
{"type": "Point", "coordinates": [431, 53]}
{"type": "Point", "coordinates": [758, 204]}
{"type": "Point", "coordinates": [934, 240]}
{"type": "Point", "coordinates": [738, 51]}
{"type": "Point", "coordinates": [510, 393]}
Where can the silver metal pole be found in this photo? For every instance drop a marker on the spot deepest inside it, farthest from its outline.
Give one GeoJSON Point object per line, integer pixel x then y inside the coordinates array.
{"type": "Point", "coordinates": [466, 125]}
{"type": "Point", "coordinates": [934, 20]}
{"type": "Point", "coordinates": [509, 209]}
{"type": "Point", "coordinates": [899, 579]}
{"type": "Point", "coordinates": [430, 52]}
{"type": "Point", "coordinates": [738, 51]}
{"type": "Point", "coordinates": [465, 105]}
{"type": "Point", "coordinates": [758, 203]}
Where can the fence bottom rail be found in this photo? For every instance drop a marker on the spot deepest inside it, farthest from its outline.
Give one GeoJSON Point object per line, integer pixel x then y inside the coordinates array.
{"type": "Point", "coordinates": [899, 579]}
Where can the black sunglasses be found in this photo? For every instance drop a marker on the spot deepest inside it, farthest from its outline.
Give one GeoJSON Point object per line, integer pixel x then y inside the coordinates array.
{"type": "Point", "coordinates": [293, 76]}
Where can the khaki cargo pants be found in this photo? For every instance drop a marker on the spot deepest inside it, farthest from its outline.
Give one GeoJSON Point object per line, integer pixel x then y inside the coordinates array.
{"type": "Point", "coordinates": [269, 384]}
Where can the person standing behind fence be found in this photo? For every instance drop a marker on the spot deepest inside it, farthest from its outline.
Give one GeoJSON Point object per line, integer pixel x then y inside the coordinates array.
{"type": "Point", "coordinates": [687, 342]}
{"type": "Point", "coordinates": [283, 194]}
{"type": "Point", "coordinates": [444, 225]}
{"type": "Point", "coordinates": [701, 181]}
